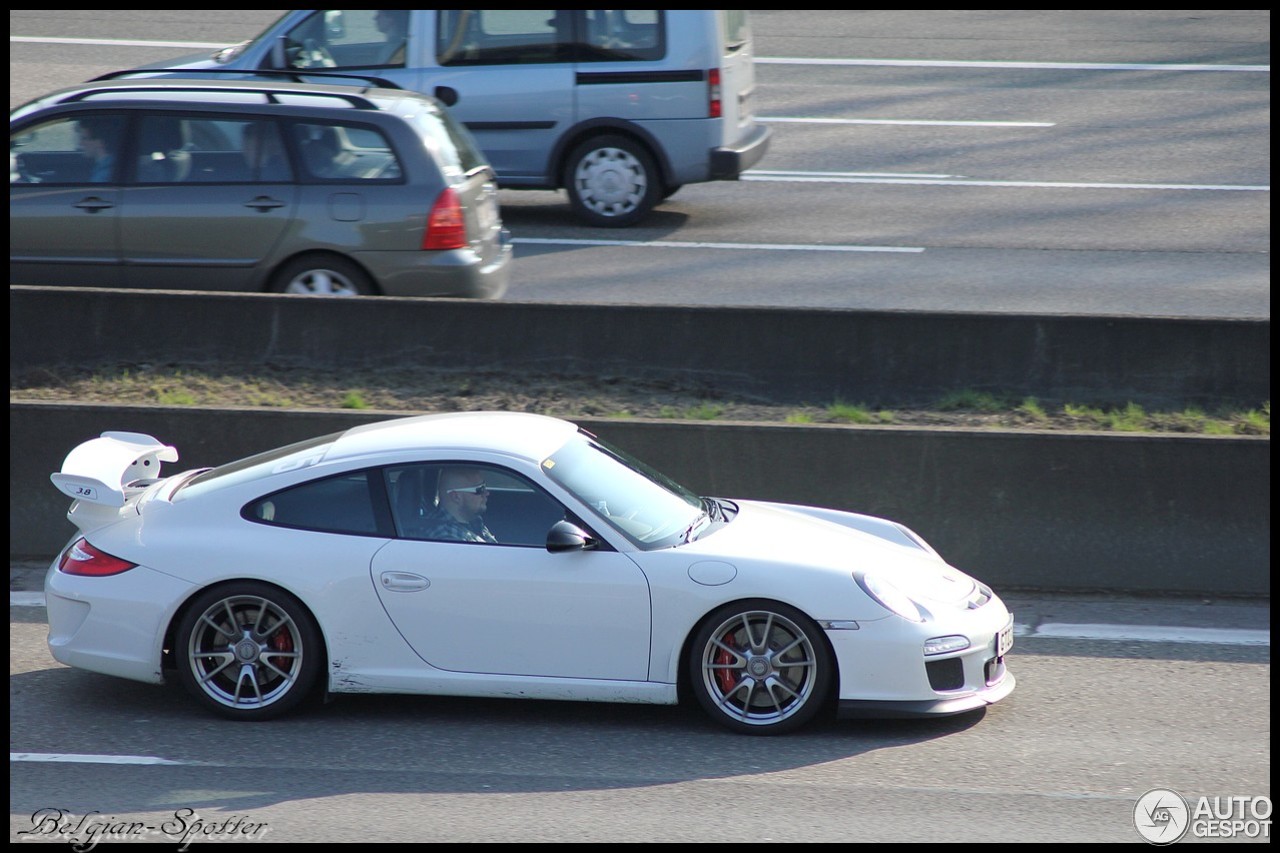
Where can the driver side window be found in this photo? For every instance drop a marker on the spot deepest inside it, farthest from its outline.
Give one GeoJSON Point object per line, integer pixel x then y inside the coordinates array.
{"type": "Point", "coordinates": [349, 38]}
{"type": "Point", "coordinates": [445, 502]}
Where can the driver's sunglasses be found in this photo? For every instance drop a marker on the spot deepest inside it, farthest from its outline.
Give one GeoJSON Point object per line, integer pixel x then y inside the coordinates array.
{"type": "Point", "coordinates": [481, 489]}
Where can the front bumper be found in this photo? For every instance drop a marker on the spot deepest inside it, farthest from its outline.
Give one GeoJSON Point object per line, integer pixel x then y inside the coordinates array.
{"type": "Point", "coordinates": [885, 673]}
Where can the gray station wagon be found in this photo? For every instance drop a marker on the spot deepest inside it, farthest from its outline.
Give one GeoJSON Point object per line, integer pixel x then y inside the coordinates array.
{"type": "Point", "coordinates": [249, 185]}
{"type": "Point", "coordinates": [620, 107]}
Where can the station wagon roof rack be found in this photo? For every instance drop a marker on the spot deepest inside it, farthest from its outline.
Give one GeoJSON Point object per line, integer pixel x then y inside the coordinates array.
{"type": "Point", "coordinates": [354, 98]}
{"type": "Point", "coordinates": [295, 76]}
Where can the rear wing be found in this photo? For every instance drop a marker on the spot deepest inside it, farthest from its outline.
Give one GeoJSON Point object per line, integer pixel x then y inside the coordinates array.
{"type": "Point", "coordinates": [110, 469]}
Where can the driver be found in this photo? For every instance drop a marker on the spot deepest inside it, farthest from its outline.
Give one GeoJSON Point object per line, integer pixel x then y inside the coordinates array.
{"type": "Point", "coordinates": [394, 26]}
{"type": "Point", "coordinates": [461, 499]}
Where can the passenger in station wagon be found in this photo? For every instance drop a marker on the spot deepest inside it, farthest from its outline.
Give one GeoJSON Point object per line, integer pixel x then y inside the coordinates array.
{"type": "Point", "coordinates": [458, 516]}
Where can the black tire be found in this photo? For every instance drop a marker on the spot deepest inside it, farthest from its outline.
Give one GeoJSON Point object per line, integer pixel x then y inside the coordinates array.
{"type": "Point", "coordinates": [760, 667]}
{"type": "Point", "coordinates": [323, 275]}
{"type": "Point", "coordinates": [248, 651]}
{"type": "Point", "coordinates": [668, 192]}
{"type": "Point", "coordinates": [612, 181]}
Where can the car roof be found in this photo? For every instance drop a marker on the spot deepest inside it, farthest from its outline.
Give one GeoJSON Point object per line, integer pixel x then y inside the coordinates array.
{"type": "Point", "coordinates": [211, 91]}
{"type": "Point", "coordinates": [529, 436]}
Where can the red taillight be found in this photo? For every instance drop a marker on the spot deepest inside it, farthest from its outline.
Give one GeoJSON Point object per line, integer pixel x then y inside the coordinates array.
{"type": "Point", "coordinates": [446, 225]}
{"type": "Point", "coordinates": [84, 559]}
{"type": "Point", "coordinates": [713, 93]}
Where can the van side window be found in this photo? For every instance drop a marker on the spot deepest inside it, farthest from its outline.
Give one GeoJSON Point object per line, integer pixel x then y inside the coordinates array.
{"type": "Point", "coordinates": [621, 35]}
{"type": "Point", "coordinates": [504, 36]}
{"type": "Point", "coordinates": [349, 38]}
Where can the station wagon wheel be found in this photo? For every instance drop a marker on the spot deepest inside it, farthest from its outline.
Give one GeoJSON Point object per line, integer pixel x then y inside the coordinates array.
{"type": "Point", "coordinates": [323, 276]}
{"type": "Point", "coordinates": [248, 651]}
{"type": "Point", "coordinates": [760, 667]}
{"type": "Point", "coordinates": [612, 181]}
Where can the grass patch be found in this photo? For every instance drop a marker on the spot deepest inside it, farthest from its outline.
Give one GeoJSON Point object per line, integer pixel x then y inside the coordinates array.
{"type": "Point", "coordinates": [354, 400]}
{"type": "Point", "coordinates": [972, 401]}
{"type": "Point", "coordinates": [857, 414]}
{"type": "Point", "coordinates": [702, 412]}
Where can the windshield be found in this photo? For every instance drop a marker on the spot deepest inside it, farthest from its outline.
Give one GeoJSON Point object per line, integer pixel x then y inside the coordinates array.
{"type": "Point", "coordinates": [649, 508]}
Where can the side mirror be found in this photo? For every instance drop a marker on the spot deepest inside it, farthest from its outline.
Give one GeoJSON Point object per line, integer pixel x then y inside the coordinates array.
{"type": "Point", "coordinates": [564, 536]}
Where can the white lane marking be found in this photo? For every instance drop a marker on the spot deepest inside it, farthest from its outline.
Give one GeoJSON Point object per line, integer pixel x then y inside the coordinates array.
{"type": "Point", "coordinates": [1011, 64]}
{"type": "Point", "coordinates": [921, 122]}
{"type": "Point", "coordinates": [192, 45]}
{"type": "Point", "coordinates": [73, 758]}
{"type": "Point", "coordinates": [677, 244]}
{"type": "Point", "coordinates": [1145, 634]}
{"type": "Point", "coordinates": [960, 181]}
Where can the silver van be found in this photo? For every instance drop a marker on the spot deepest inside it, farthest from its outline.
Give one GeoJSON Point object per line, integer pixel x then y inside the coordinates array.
{"type": "Point", "coordinates": [620, 107]}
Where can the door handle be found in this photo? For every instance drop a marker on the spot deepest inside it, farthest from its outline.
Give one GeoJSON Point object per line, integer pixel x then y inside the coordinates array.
{"type": "Point", "coordinates": [264, 203]}
{"type": "Point", "coordinates": [403, 582]}
{"type": "Point", "coordinates": [93, 204]}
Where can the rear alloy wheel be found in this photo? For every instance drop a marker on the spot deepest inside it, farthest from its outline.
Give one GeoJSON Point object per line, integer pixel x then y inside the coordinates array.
{"type": "Point", "coordinates": [248, 651]}
{"type": "Point", "coordinates": [612, 181]}
{"type": "Point", "coordinates": [331, 276]}
{"type": "Point", "coordinates": [760, 667]}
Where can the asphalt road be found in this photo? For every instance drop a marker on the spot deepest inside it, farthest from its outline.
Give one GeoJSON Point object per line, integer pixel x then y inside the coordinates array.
{"type": "Point", "coordinates": [1115, 698]}
{"type": "Point", "coordinates": [1030, 162]}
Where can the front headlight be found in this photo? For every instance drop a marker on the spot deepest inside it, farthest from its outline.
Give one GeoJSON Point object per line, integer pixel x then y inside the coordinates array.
{"type": "Point", "coordinates": [889, 596]}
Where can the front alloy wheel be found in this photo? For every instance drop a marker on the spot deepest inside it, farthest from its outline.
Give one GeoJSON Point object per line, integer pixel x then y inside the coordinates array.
{"type": "Point", "coordinates": [760, 667]}
{"type": "Point", "coordinates": [248, 651]}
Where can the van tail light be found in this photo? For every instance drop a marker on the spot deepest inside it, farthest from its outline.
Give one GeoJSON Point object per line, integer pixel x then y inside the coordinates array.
{"type": "Point", "coordinates": [84, 559]}
{"type": "Point", "coordinates": [446, 224]}
{"type": "Point", "coordinates": [713, 94]}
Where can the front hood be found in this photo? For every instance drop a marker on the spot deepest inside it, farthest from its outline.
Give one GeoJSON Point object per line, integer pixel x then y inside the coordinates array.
{"type": "Point", "coordinates": [788, 536]}
{"type": "Point", "coordinates": [204, 59]}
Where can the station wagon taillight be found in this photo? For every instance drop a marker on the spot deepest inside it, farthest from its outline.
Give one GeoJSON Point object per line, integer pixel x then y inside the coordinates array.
{"type": "Point", "coordinates": [84, 559]}
{"type": "Point", "coordinates": [713, 94]}
{"type": "Point", "coordinates": [446, 224]}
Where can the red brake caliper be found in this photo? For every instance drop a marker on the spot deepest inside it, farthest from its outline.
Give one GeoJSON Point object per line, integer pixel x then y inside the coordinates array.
{"type": "Point", "coordinates": [726, 677]}
{"type": "Point", "coordinates": [281, 641]}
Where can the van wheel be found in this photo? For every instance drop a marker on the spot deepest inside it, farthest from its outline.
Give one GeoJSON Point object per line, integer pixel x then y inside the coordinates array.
{"type": "Point", "coordinates": [323, 276]}
{"type": "Point", "coordinates": [612, 182]}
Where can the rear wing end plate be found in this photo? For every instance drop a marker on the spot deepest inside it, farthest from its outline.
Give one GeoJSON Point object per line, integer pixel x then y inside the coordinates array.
{"type": "Point", "coordinates": [105, 470]}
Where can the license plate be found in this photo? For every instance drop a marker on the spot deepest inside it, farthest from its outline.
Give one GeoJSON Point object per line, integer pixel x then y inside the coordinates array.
{"type": "Point", "coordinates": [1004, 640]}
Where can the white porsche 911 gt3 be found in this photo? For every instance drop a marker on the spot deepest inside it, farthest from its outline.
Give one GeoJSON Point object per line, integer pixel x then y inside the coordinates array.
{"type": "Point", "coordinates": [503, 555]}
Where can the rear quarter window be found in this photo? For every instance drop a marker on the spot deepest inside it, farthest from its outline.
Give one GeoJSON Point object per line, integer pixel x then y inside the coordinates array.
{"type": "Point", "coordinates": [342, 504]}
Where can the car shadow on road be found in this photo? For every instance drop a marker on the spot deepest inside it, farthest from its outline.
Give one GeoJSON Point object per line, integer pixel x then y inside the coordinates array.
{"type": "Point", "coordinates": [408, 744]}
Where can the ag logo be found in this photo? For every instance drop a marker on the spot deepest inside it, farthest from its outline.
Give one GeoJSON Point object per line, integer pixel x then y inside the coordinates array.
{"type": "Point", "coordinates": [1161, 816]}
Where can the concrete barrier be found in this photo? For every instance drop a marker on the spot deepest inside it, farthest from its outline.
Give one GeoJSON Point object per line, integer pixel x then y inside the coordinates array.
{"type": "Point", "coordinates": [786, 355]}
{"type": "Point", "coordinates": [1020, 510]}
